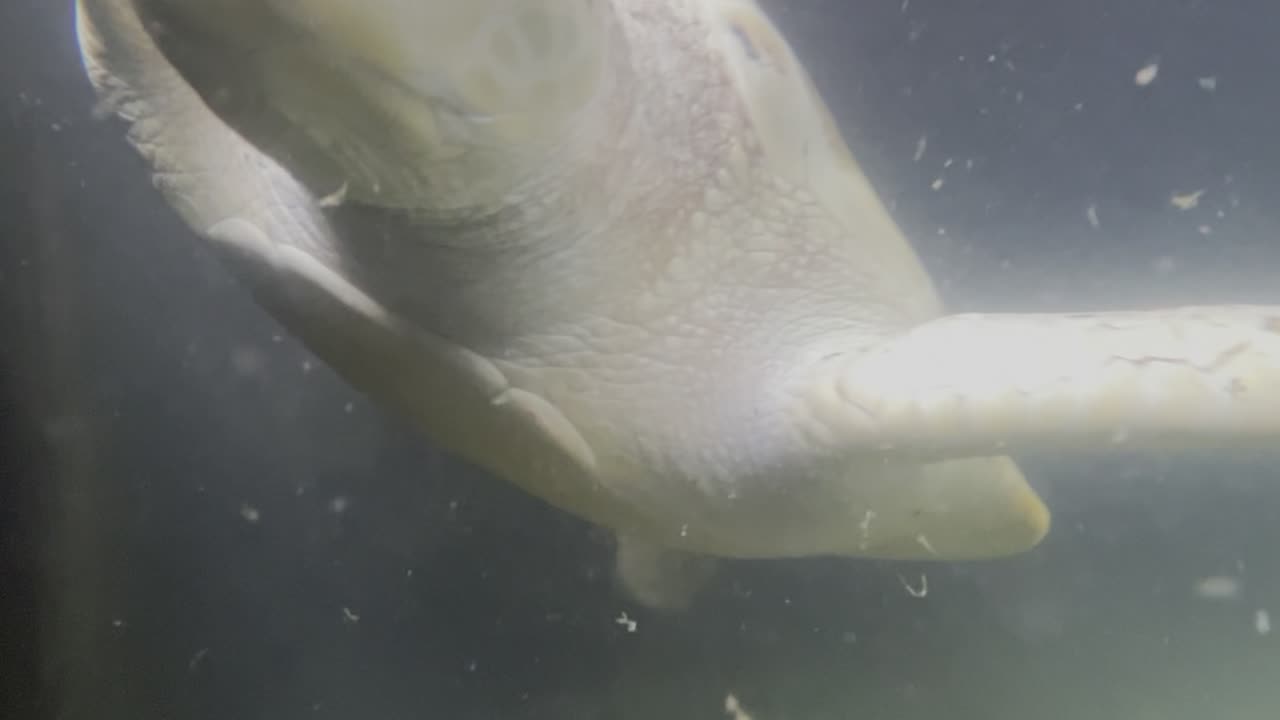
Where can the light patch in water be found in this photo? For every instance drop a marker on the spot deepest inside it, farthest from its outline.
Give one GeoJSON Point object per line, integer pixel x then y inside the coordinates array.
{"type": "Point", "coordinates": [1218, 587]}
{"type": "Point", "coordinates": [1146, 74]}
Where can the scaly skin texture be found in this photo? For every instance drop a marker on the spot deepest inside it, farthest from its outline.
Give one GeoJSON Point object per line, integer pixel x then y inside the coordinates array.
{"type": "Point", "coordinates": [614, 251]}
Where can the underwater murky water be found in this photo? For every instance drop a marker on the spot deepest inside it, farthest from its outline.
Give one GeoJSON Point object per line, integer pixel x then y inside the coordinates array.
{"type": "Point", "coordinates": [213, 525]}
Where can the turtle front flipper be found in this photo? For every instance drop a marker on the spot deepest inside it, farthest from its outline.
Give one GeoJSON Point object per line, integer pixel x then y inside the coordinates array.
{"type": "Point", "coordinates": [976, 384]}
{"type": "Point", "coordinates": [274, 235]}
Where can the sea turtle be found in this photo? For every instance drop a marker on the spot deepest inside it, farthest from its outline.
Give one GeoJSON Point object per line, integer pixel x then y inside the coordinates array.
{"type": "Point", "coordinates": [617, 252]}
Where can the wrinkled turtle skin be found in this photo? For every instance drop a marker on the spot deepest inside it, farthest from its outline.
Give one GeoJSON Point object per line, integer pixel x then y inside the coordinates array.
{"type": "Point", "coordinates": [616, 252]}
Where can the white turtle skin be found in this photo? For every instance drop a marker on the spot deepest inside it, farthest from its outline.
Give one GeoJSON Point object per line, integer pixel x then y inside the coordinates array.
{"type": "Point", "coordinates": [616, 252]}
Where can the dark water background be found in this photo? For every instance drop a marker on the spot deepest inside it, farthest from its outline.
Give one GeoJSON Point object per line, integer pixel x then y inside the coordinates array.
{"type": "Point", "coordinates": [200, 521]}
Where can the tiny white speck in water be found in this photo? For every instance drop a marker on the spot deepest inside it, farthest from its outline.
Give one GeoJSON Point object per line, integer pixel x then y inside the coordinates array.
{"type": "Point", "coordinates": [335, 198]}
{"type": "Point", "coordinates": [1209, 83]}
{"type": "Point", "coordinates": [924, 543]}
{"type": "Point", "coordinates": [1186, 201]}
{"type": "Point", "coordinates": [250, 513]}
{"type": "Point", "coordinates": [865, 528]}
{"type": "Point", "coordinates": [921, 145]}
{"type": "Point", "coordinates": [338, 505]}
{"type": "Point", "coordinates": [919, 592]}
{"type": "Point", "coordinates": [1262, 622]}
{"type": "Point", "coordinates": [626, 622]}
{"type": "Point", "coordinates": [732, 707]}
{"type": "Point", "coordinates": [1091, 212]}
{"type": "Point", "coordinates": [1146, 74]}
{"type": "Point", "coordinates": [1218, 587]}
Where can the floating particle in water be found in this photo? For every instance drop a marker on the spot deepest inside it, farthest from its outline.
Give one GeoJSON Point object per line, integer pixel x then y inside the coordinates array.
{"type": "Point", "coordinates": [864, 527]}
{"type": "Point", "coordinates": [916, 592]}
{"type": "Point", "coordinates": [734, 709]}
{"type": "Point", "coordinates": [921, 145]}
{"type": "Point", "coordinates": [1209, 83]}
{"type": "Point", "coordinates": [1262, 622]}
{"type": "Point", "coordinates": [1091, 212]}
{"type": "Point", "coordinates": [924, 543]}
{"type": "Point", "coordinates": [626, 622]}
{"type": "Point", "coordinates": [1146, 74]}
{"type": "Point", "coordinates": [1218, 587]}
{"type": "Point", "coordinates": [250, 513]}
{"type": "Point", "coordinates": [335, 198]}
{"type": "Point", "coordinates": [196, 659]}
{"type": "Point", "coordinates": [1186, 201]}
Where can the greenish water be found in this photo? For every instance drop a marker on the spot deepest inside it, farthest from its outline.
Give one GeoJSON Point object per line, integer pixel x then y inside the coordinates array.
{"type": "Point", "coordinates": [213, 526]}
